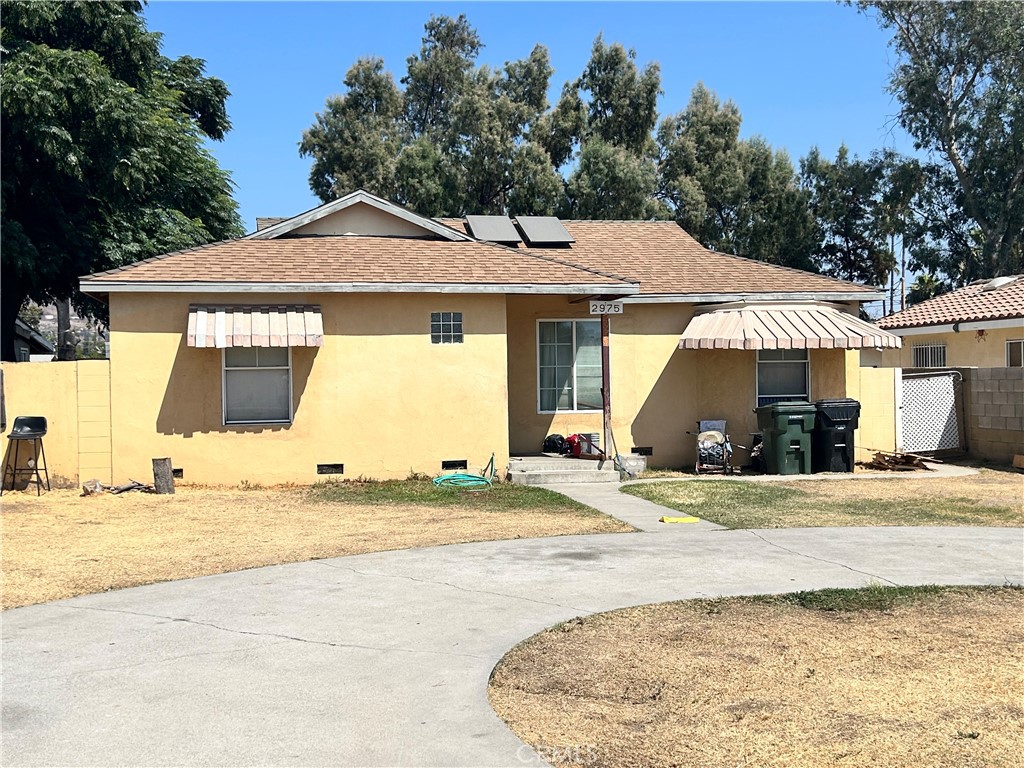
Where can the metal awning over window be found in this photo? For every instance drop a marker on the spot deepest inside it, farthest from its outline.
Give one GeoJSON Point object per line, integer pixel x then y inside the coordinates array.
{"type": "Point", "coordinates": [282, 325]}
{"type": "Point", "coordinates": [782, 326]}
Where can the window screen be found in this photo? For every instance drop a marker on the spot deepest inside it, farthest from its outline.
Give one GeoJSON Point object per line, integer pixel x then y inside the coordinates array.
{"type": "Point", "coordinates": [782, 374]}
{"type": "Point", "coordinates": [257, 385]}
{"type": "Point", "coordinates": [445, 327]}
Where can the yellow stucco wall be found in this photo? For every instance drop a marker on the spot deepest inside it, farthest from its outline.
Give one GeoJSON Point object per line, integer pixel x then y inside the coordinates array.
{"type": "Point", "coordinates": [377, 397]}
{"type": "Point", "coordinates": [659, 392]}
{"type": "Point", "coordinates": [75, 399]}
{"type": "Point", "coordinates": [965, 349]}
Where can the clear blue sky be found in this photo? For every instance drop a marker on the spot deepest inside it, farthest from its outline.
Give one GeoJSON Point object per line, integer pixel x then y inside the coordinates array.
{"type": "Point", "coordinates": [802, 74]}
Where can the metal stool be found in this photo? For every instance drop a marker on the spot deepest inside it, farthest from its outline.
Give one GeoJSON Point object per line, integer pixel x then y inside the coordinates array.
{"type": "Point", "coordinates": [27, 428]}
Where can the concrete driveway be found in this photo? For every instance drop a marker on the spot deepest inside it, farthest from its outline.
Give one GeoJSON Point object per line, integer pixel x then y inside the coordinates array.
{"type": "Point", "coordinates": [383, 659]}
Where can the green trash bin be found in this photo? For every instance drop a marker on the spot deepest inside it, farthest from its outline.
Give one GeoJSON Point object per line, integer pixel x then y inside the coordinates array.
{"type": "Point", "coordinates": [786, 428]}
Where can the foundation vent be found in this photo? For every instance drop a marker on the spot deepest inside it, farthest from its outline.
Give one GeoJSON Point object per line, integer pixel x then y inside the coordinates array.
{"type": "Point", "coordinates": [178, 473]}
{"type": "Point", "coordinates": [643, 450]}
{"type": "Point", "coordinates": [454, 464]}
{"type": "Point", "coordinates": [330, 469]}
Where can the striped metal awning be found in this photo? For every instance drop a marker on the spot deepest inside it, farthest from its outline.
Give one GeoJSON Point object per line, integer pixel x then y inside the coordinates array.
{"type": "Point", "coordinates": [782, 326]}
{"type": "Point", "coordinates": [261, 325]}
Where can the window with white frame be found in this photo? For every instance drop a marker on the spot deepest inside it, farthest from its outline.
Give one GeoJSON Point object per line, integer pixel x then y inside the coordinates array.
{"type": "Point", "coordinates": [782, 374]}
{"type": "Point", "coordinates": [568, 365]}
{"type": "Point", "coordinates": [257, 385]}
{"type": "Point", "coordinates": [1015, 353]}
{"type": "Point", "coordinates": [929, 356]}
{"type": "Point", "coordinates": [445, 327]}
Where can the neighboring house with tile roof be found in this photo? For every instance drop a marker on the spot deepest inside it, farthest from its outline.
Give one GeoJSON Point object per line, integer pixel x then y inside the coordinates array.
{"type": "Point", "coordinates": [980, 325]}
{"type": "Point", "coordinates": [361, 338]}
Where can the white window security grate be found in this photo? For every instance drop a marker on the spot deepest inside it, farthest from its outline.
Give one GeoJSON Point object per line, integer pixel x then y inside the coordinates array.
{"type": "Point", "coordinates": [929, 355]}
{"type": "Point", "coordinates": [929, 413]}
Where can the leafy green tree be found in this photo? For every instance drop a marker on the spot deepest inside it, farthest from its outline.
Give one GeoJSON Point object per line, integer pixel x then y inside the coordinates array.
{"type": "Point", "coordinates": [609, 113]}
{"type": "Point", "coordinates": [356, 139]}
{"type": "Point", "coordinates": [610, 182]}
{"type": "Point", "coordinates": [438, 74]}
{"type": "Point", "coordinates": [926, 286]}
{"type": "Point", "coordinates": [460, 138]}
{"type": "Point", "coordinates": [898, 217]}
{"type": "Point", "coordinates": [102, 155]}
{"type": "Point", "coordinates": [844, 200]}
{"type": "Point", "coordinates": [959, 77]}
{"type": "Point", "coordinates": [736, 196]}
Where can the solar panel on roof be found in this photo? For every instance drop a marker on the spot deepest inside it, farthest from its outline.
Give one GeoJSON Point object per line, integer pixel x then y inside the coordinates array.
{"type": "Point", "coordinates": [493, 229]}
{"type": "Point", "coordinates": [543, 230]}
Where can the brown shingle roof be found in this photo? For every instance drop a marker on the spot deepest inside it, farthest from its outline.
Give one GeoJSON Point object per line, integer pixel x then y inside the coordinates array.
{"type": "Point", "coordinates": [667, 260]}
{"type": "Point", "coordinates": [356, 259]}
{"type": "Point", "coordinates": [967, 304]}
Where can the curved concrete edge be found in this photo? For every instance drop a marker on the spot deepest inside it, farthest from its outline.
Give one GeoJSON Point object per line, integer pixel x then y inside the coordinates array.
{"type": "Point", "coordinates": [384, 659]}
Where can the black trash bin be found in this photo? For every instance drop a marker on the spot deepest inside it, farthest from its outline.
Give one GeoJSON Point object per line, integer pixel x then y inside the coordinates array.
{"type": "Point", "coordinates": [832, 440]}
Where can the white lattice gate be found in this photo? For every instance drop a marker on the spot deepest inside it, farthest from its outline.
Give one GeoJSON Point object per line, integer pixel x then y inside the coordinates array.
{"type": "Point", "coordinates": [930, 412]}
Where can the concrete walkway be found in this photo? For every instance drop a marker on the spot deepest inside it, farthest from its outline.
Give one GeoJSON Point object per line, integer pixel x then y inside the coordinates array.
{"type": "Point", "coordinates": [383, 659]}
{"type": "Point", "coordinates": [645, 515]}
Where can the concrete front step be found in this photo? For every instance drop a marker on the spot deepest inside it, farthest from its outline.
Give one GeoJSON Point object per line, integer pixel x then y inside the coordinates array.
{"type": "Point", "coordinates": [545, 464]}
{"type": "Point", "coordinates": [552, 477]}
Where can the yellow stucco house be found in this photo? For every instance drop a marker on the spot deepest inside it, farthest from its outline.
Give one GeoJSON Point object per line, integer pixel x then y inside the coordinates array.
{"type": "Point", "coordinates": [980, 325]}
{"type": "Point", "coordinates": [362, 339]}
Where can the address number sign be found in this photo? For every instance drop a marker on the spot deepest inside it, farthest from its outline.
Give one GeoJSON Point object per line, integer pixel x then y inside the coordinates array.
{"type": "Point", "coordinates": [606, 307]}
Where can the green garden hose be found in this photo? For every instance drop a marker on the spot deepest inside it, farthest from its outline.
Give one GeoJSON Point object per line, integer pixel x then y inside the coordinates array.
{"type": "Point", "coordinates": [466, 481]}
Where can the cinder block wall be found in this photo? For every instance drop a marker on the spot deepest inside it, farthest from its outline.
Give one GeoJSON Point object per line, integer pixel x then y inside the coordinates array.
{"type": "Point", "coordinates": [994, 405]}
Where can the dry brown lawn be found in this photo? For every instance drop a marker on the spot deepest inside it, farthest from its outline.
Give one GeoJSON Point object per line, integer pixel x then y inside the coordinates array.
{"type": "Point", "coordinates": [61, 544]}
{"type": "Point", "coordinates": [991, 498]}
{"type": "Point", "coordinates": [936, 680]}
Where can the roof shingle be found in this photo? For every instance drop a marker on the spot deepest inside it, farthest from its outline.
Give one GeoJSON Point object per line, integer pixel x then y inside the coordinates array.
{"type": "Point", "coordinates": [667, 260]}
{"type": "Point", "coordinates": [660, 255]}
{"type": "Point", "coordinates": [968, 304]}
{"type": "Point", "coordinates": [356, 259]}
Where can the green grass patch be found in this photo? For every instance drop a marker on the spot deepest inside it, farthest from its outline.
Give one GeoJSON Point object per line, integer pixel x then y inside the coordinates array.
{"type": "Point", "coordinates": [874, 597]}
{"type": "Point", "coordinates": [737, 504]}
{"type": "Point", "coordinates": [501, 497]}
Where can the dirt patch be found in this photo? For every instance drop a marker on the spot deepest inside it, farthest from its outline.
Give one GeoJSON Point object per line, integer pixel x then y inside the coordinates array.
{"type": "Point", "coordinates": [60, 544]}
{"type": "Point", "coordinates": [936, 682]}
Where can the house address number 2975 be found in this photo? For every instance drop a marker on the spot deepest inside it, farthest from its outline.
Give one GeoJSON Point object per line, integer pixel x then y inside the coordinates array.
{"type": "Point", "coordinates": [606, 307]}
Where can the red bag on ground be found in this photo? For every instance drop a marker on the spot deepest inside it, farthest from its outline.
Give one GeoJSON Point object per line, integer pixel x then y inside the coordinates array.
{"type": "Point", "coordinates": [575, 445]}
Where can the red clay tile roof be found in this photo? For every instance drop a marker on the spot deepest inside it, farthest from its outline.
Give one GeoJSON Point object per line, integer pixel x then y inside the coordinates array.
{"type": "Point", "coordinates": [667, 260]}
{"type": "Point", "coordinates": [356, 259]}
{"type": "Point", "coordinates": [967, 304]}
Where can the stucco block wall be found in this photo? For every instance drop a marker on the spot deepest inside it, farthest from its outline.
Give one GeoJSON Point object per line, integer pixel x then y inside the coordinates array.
{"type": "Point", "coordinates": [75, 399]}
{"type": "Point", "coordinates": [985, 349]}
{"type": "Point", "coordinates": [994, 405]}
{"type": "Point", "coordinates": [378, 397]}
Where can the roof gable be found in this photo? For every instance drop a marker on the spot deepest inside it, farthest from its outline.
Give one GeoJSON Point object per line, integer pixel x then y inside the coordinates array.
{"type": "Point", "coordinates": [359, 213]}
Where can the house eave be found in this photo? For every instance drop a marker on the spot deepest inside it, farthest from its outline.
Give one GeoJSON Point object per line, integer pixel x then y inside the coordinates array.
{"type": "Point", "coordinates": [971, 325]}
{"type": "Point", "coordinates": [135, 286]}
{"type": "Point", "coordinates": [705, 298]}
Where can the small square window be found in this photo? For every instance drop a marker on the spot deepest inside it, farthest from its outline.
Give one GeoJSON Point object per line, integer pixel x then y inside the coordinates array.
{"type": "Point", "coordinates": [445, 327]}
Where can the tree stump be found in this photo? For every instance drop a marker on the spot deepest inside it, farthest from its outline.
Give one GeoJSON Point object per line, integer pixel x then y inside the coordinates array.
{"type": "Point", "coordinates": [163, 475]}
